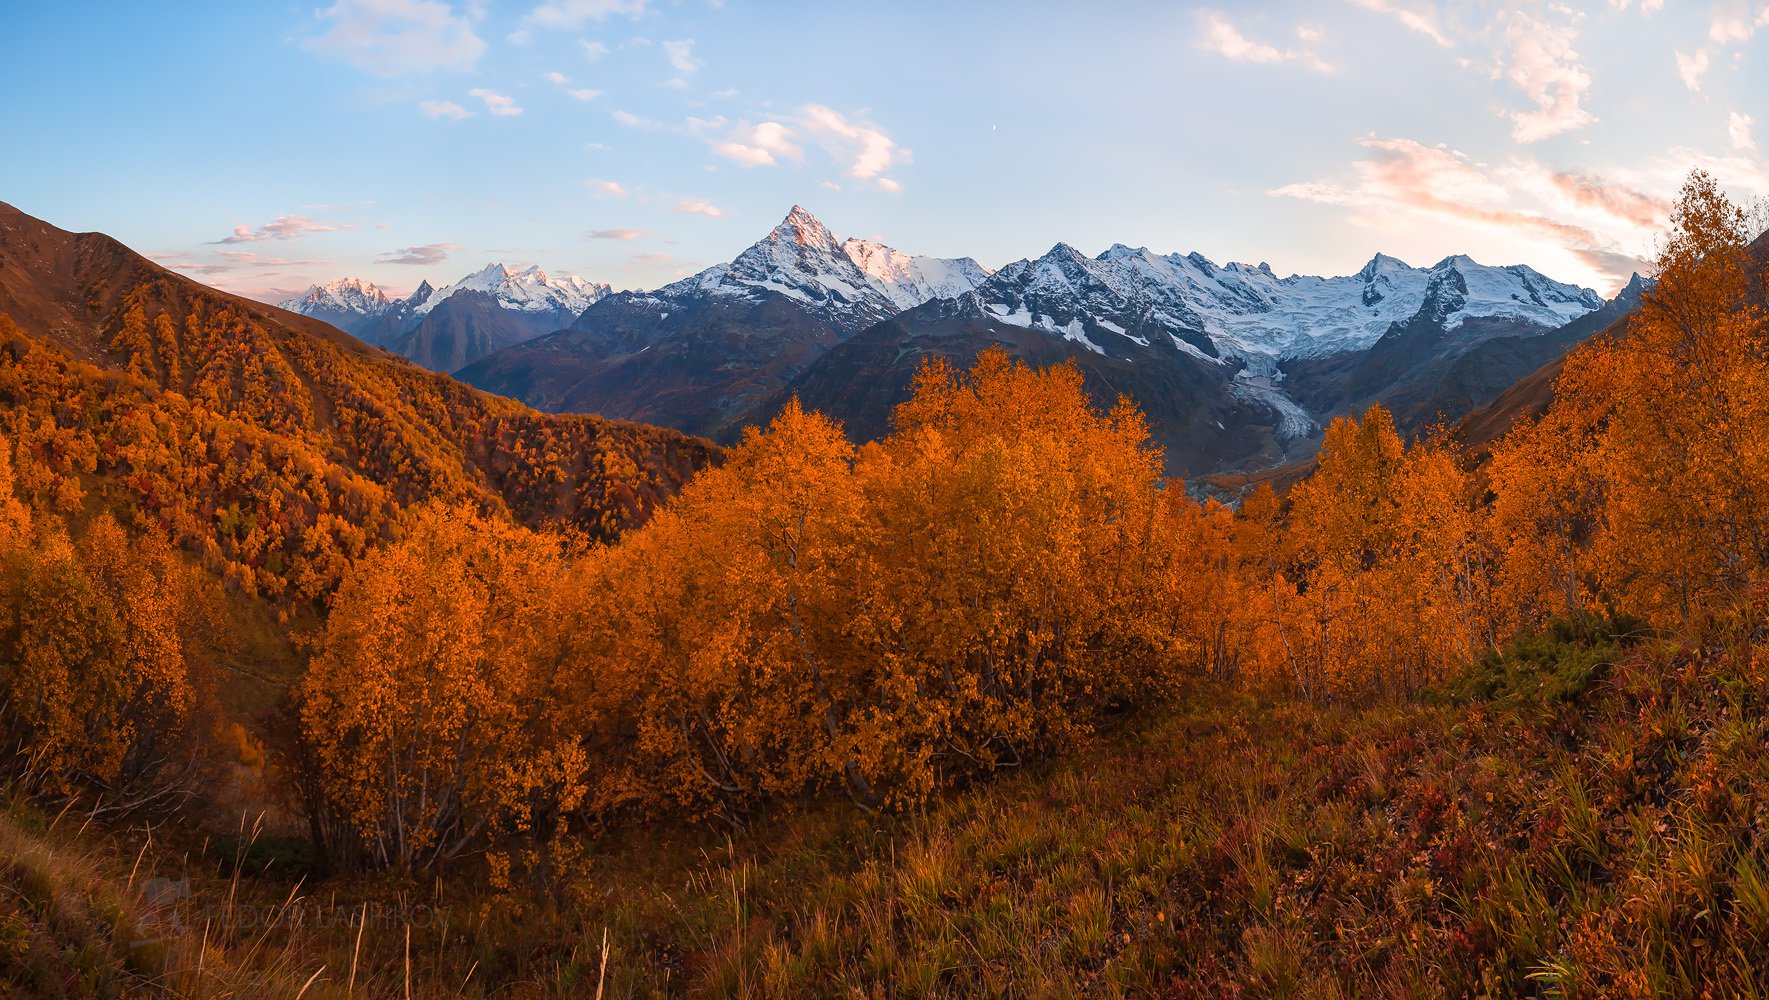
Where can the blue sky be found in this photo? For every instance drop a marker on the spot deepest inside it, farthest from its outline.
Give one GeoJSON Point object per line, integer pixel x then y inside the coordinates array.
{"type": "Point", "coordinates": [263, 146]}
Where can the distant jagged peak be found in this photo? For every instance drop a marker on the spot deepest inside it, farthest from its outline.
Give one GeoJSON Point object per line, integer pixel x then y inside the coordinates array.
{"type": "Point", "coordinates": [345, 295]}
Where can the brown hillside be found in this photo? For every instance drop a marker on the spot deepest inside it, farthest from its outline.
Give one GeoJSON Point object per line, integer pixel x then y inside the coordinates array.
{"type": "Point", "coordinates": [273, 445]}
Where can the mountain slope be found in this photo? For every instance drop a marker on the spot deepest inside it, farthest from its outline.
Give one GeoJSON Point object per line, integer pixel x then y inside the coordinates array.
{"type": "Point", "coordinates": [1184, 395]}
{"type": "Point", "coordinates": [273, 444]}
{"type": "Point", "coordinates": [700, 354]}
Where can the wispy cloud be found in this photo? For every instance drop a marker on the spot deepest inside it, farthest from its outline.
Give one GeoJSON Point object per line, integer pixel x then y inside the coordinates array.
{"type": "Point", "coordinates": [593, 50]}
{"type": "Point", "coordinates": [1539, 59]}
{"type": "Point", "coordinates": [428, 253]}
{"type": "Point", "coordinates": [252, 259]}
{"type": "Point", "coordinates": [616, 234]}
{"type": "Point", "coordinates": [283, 227]}
{"type": "Point", "coordinates": [395, 37]}
{"type": "Point", "coordinates": [759, 145]}
{"type": "Point", "coordinates": [1531, 46]}
{"type": "Point", "coordinates": [1692, 66]}
{"type": "Point", "coordinates": [862, 145]}
{"type": "Point", "coordinates": [698, 206]}
{"type": "Point", "coordinates": [1738, 129]}
{"type": "Point", "coordinates": [630, 120]}
{"type": "Point", "coordinates": [498, 104]}
{"type": "Point", "coordinates": [1220, 35]}
{"type": "Point", "coordinates": [573, 14]}
{"type": "Point", "coordinates": [1406, 182]}
{"type": "Point", "coordinates": [681, 56]}
{"type": "Point", "coordinates": [1422, 18]}
{"type": "Point", "coordinates": [613, 189]}
{"type": "Point", "coordinates": [577, 93]}
{"type": "Point", "coordinates": [444, 109]}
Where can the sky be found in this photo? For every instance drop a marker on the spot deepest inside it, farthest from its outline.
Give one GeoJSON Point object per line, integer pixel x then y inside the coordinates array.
{"type": "Point", "coordinates": [264, 146]}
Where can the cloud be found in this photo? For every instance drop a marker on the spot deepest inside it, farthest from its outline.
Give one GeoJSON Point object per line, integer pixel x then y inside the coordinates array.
{"type": "Point", "coordinates": [1408, 178]}
{"type": "Point", "coordinates": [867, 150]}
{"type": "Point", "coordinates": [395, 37]}
{"type": "Point", "coordinates": [593, 50]}
{"type": "Point", "coordinates": [681, 56]}
{"type": "Point", "coordinates": [651, 258]}
{"type": "Point", "coordinates": [497, 104]}
{"type": "Point", "coordinates": [1529, 46]}
{"type": "Point", "coordinates": [577, 93]}
{"type": "Point", "coordinates": [572, 14]}
{"type": "Point", "coordinates": [1424, 21]}
{"type": "Point", "coordinates": [631, 120]}
{"type": "Point", "coordinates": [1691, 67]}
{"type": "Point", "coordinates": [429, 253]}
{"type": "Point", "coordinates": [610, 188]}
{"type": "Point", "coordinates": [1738, 128]}
{"type": "Point", "coordinates": [1539, 59]}
{"type": "Point", "coordinates": [1734, 21]}
{"type": "Point", "coordinates": [283, 227]}
{"type": "Point", "coordinates": [1611, 198]}
{"type": "Point", "coordinates": [251, 259]}
{"type": "Point", "coordinates": [759, 145]}
{"type": "Point", "coordinates": [698, 206]}
{"type": "Point", "coordinates": [444, 109]}
{"type": "Point", "coordinates": [1222, 37]}
{"type": "Point", "coordinates": [616, 234]}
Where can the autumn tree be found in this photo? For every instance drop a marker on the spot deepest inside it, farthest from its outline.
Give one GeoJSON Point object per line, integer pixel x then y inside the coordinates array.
{"type": "Point", "coordinates": [427, 710]}
{"type": "Point", "coordinates": [1645, 488]}
{"type": "Point", "coordinates": [1389, 564]}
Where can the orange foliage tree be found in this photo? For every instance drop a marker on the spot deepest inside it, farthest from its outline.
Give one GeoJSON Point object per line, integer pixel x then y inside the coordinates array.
{"type": "Point", "coordinates": [1645, 488]}
{"type": "Point", "coordinates": [428, 709]}
{"type": "Point", "coordinates": [1392, 578]}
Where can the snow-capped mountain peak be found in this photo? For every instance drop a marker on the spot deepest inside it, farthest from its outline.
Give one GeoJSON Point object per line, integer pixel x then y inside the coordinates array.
{"type": "Point", "coordinates": [1246, 311]}
{"type": "Point", "coordinates": [912, 280]}
{"type": "Point", "coordinates": [853, 284]}
{"type": "Point", "coordinates": [529, 290]}
{"type": "Point", "coordinates": [804, 229]}
{"type": "Point", "coordinates": [344, 296]}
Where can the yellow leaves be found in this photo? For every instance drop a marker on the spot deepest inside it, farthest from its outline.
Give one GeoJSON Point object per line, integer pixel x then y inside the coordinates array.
{"type": "Point", "coordinates": [425, 706]}
{"type": "Point", "coordinates": [93, 676]}
{"type": "Point", "coordinates": [1645, 487]}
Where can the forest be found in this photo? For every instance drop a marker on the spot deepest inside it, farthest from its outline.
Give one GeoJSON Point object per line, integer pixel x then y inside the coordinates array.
{"type": "Point", "coordinates": [1298, 743]}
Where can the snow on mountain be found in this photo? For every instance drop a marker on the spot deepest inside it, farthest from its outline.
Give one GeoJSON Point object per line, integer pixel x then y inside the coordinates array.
{"type": "Point", "coordinates": [854, 283]}
{"type": "Point", "coordinates": [529, 290]}
{"type": "Point", "coordinates": [911, 280]}
{"type": "Point", "coordinates": [1249, 313]}
{"type": "Point", "coordinates": [341, 296]}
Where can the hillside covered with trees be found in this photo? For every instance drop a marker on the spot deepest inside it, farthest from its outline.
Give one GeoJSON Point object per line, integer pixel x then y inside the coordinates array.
{"type": "Point", "coordinates": [984, 707]}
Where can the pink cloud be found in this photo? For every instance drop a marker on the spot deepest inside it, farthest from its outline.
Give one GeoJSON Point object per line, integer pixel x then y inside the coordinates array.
{"type": "Point", "coordinates": [283, 227]}
{"type": "Point", "coordinates": [1408, 176]}
{"type": "Point", "coordinates": [428, 253]}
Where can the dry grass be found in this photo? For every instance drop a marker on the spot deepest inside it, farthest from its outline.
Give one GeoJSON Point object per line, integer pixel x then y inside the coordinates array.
{"type": "Point", "coordinates": [1569, 828]}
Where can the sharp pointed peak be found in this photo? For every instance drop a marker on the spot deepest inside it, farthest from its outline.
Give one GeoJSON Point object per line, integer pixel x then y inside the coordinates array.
{"type": "Point", "coordinates": [1065, 250]}
{"type": "Point", "coordinates": [805, 229]}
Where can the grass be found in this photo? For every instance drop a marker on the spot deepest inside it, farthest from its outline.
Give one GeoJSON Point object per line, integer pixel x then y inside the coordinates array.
{"type": "Point", "coordinates": [1576, 819]}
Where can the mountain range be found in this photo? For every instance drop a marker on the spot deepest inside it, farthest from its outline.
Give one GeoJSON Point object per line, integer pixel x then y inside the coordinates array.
{"type": "Point", "coordinates": [1236, 367]}
{"type": "Point", "coordinates": [448, 327]}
